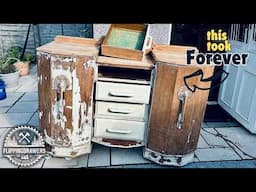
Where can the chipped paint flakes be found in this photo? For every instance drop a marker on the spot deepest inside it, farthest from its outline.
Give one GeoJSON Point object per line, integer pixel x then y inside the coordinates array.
{"type": "Point", "coordinates": [40, 114]}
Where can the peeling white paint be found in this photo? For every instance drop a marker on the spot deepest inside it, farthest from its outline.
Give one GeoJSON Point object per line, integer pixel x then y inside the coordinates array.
{"type": "Point", "coordinates": [60, 72]}
{"type": "Point", "coordinates": [63, 59]}
{"type": "Point", "coordinates": [163, 159]}
{"type": "Point", "coordinates": [68, 107]}
{"type": "Point", "coordinates": [189, 136]}
{"type": "Point", "coordinates": [40, 114]}
{"type": "Point", "coordinates": [48, 139]}
{"type": "Point", "coordinates": [92, 63]}
{"type": "Point", "coordinates": [63, 79]}
{"type": "Point", "coordinates": [71, 152]}
{"type": "Point", "coordinates": [49, 117]}
{"type": "Point", "coordinates": [40, 54]}
{"type": "Point", "coordinates": [41, 79]}
{"type": "Point", "coordinates": [80, 135]}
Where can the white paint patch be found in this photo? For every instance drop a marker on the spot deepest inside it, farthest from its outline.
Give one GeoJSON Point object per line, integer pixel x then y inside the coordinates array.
{"type": "Point", "coordinates": [71, 152]}
{"type": "Point", "coordinates": [172, 160]}
{"type": "Point", "coordinates": [92, 63]}
{"type": "Point", "coordinates": [76, 99]}
{"type": "Point", "coordinates": [40, 114]}
{"type": "Point", "coordinates": [63, 59]}
{"type": "Point", "coordinates": [40, 54]}
{"type": "Point", "coordinates": [79, 136]}
{"type": "Point", "coordinates": [61, 72]}
{"type": "Point", "coordinates": [41, 79]}
{"type": "Point", "coordinates": [49, 117]}
{"type": "Point", "coordinates": [189, 136]}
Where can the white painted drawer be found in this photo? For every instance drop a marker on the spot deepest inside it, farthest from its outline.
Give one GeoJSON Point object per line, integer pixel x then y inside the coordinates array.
{"type": "Point", "coordinates": [137, 112]}
{"type": "Point", "coordinates": [119, 129]}
{"type": "Point", "coordinates": [122, 92]}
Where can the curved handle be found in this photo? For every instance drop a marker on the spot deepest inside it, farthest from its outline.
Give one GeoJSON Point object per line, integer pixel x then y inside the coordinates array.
{"type": "Point", "coordinates": [113, 110]}
{"type": "Point", "coordinates": [120, 94]}
{"type": "Point", "coordinates": [118, 131]}
{"type": "Point", "coordinates": [182, 96]}
{"type": "Point", "coordinates": [149, 43]}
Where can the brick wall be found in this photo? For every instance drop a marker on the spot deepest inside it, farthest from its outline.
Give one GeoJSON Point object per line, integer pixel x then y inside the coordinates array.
{"type": "Point", "coordinates": [15, 34]}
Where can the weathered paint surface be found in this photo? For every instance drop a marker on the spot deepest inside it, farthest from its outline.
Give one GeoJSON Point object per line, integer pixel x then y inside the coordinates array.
{"type": "Point", "coordinates": [67, 121]}
{"type": "Point", "coordinates": [174, 160]}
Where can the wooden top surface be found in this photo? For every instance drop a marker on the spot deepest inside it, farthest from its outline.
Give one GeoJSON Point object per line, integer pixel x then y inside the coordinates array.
{"type": "Point", "coordinates": [71, 46]}
{"type": "Point", "coordinates": [146, 63]}
{"type": "Point", "coordinates": [172, 54]}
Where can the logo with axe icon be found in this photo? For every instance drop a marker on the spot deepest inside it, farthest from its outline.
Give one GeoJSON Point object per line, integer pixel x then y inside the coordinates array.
{"type": "Point", "coordinates": [24, 146]}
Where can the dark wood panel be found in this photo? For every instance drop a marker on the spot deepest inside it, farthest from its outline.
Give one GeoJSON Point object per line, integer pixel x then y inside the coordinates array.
{"type": "Point", "coordinates": [44, 92]}
{"type": "Point", "coordinates": [164, 136]}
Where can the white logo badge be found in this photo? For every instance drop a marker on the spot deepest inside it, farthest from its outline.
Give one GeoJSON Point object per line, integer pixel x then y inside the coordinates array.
{"type": "Point", "coordinates": [24, 146]}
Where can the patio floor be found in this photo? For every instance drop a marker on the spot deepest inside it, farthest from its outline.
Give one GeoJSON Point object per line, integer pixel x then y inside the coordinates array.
{"type": "Point", "coordinates": [221, 144]}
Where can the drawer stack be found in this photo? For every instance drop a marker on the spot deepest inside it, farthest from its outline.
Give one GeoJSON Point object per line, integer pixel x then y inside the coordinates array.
{"type": "Point", "coordinates": [121, 107]}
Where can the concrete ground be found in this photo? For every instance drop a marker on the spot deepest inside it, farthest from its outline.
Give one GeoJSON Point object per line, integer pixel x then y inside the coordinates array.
{"type": "Point", "coordinates": [221, 144]}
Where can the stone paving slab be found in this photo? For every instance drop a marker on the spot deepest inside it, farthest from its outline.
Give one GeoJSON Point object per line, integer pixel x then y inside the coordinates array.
{"type": "Point", "coordinates": [30, 96]}
{"type": "Point", "coordinates": [213, 141]}
{"type": "Point", "coordinates": [4, 163]}
{"type": "Point", "coordinates": [24, 107]}
{"type": "Point", "coordinates": [3, 109]}
{"type": "Point", "coordinates": [82, 161]}
{"type": "Point", "coordinates": [34, 121]}
{"type": "Point", "coordinates": [127, 156]}
{"type": "Point", "coordinates": [100, 156]}
{"type": "Point", "coordinates": [216, 154]}
{"type": "Point", "coordinates": [10, 99]}
{"type": "Point", "coordinates": [14, 119]}
{"type": "Point", "coordinates": [202, 143]}
{"type": "Point", "coordinates": [224, 164]}
{"type": "Point", "coordinates": [242, 141]}
{"type": "Point", "coordinates": [28, 84]}
{"type": "Point", "coordinates": [60, 163]}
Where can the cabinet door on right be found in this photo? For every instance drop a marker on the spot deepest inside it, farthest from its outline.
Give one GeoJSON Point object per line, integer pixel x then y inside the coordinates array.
{"type": "Point", "coordinates": [176, 113]}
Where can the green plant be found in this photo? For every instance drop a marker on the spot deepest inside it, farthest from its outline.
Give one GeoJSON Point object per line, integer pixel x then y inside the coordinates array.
{"type": "Point", "coordinates": [14, 52]}
{"type": "Point", "coordinates": [6, 65]}
{"type": "Point", "coordinates": [28, 57]}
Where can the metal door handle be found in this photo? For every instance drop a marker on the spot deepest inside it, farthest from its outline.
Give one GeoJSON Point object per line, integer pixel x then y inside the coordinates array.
{"type": "Point", "coordinates": [113, 110]}
{"type": "Point", "coordinates": [60, 97]}
{"type": "Point", "coordinates": [182, 98]}
{"type": "Point", "coordinates": [118, 94]}
{"type": "Point", "coordinates": [118, 131]}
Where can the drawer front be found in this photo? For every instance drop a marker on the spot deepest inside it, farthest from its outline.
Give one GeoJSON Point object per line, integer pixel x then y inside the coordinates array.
{"type": "Point", "coordinates": [122, 92]}
{"type": "Point", "coordinates": [119, 129]}
{"type": "Point", "coordinates": [127, 111]}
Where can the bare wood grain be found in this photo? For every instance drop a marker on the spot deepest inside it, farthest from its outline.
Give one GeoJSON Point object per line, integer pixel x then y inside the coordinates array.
{"type": "Point", "coordinates": [146, 63]}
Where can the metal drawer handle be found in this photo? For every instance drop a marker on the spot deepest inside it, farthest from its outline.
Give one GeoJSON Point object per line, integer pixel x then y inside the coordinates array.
{"type": "Point", "coordinates": [118, 131]}
{"type": "Point", "coordinates": [112, 110]}
{"type": "Point", "coordinates": [118, 94]}
{"type": "Point", "coordinates": [182, 96]}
